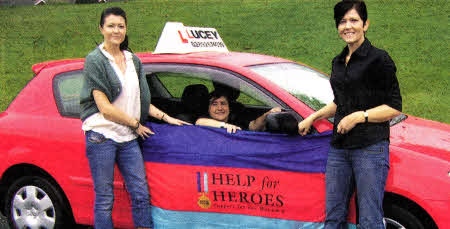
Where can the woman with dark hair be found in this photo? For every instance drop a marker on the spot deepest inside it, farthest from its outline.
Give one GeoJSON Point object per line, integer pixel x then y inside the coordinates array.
{"type": "Point", "coordinates": [366, 97]}
{"type": "Point", "coordinates": [220, 115]}
{"type": "Point", "coordinates": [115, 100]}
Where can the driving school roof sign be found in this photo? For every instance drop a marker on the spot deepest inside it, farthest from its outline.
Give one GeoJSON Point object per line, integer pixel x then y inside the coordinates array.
{"type": "Point", "coordinates": [177, 38]}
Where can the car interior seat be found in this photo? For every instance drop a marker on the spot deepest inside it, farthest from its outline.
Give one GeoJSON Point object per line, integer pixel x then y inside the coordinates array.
{"type": "Point", "coordinates": [194, 101]}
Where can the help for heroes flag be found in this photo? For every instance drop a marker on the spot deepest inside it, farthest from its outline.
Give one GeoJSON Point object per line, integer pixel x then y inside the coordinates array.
{"type": "Point", "coordinates": [203, 177]}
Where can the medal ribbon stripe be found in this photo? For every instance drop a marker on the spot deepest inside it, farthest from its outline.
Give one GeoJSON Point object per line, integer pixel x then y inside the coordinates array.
{"type": "Point", "coordinates": [199, 183]}
{"type": "Point", "coordinates": [205, 182]}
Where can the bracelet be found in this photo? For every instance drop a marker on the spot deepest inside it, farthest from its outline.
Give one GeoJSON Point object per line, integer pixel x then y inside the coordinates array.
{"type": "Point", "coordinates": [163, 116]}
{"type": "Point", "coordinates": [137, 126]}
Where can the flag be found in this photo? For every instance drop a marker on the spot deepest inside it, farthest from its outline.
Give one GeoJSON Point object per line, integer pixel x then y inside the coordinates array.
{"type": "Point", "coordinates": [204, 177]}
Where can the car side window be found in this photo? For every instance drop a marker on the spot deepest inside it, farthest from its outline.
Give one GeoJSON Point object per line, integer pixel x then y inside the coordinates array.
{"type": "Point", "coordinates": [175, 82]}
{"type": "Point", "coordinates": [182, 90]}
{"type": "Point", "coordinates": [66, 89]}
{"type": "Point", "coordinates": [176, 77]}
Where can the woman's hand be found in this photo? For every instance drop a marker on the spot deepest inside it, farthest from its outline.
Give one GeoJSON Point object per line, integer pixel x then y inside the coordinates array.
{"type": "Point", "coordinates": [273, 110]}
{"type": "Point", "coordinates": [350, 121]}
{"type": "Point", "coordinates": [231, 128]}
{"type": "Point", "coordinates": [259, 123]}
{"type": "Point", "coordinates": [174, 121]}
{"type": "Point", "coordinates": [305, 125]}
{"type": "Point", "coordinates": [143, 131]}
{"type": "Point", "coordinates": [325, 112]}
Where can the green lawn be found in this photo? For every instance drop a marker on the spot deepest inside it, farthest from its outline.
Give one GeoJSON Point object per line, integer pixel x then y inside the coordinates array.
{"type": "Point", "coordinates": [415, 33]}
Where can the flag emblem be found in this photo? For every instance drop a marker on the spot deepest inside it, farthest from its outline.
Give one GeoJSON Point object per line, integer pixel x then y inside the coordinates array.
{"type": "Point", "coordinates": [203, 201]}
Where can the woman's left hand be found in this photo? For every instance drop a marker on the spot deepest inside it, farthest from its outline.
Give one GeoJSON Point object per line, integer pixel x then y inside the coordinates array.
{"type": "Point", "coordinates": [274, 110]}
{"type": "Point", "coordinates": [231, 128]}
{"type": "Point", "coordinates": [175, 121]}
{"type": "Point", "coordinates": [143, 131]}
{"type": "Point", "coordinates": [350, 121]}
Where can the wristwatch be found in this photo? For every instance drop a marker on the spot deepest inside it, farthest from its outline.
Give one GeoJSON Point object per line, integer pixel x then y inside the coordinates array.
{"type": "Point", "coordinates": [366, 116]}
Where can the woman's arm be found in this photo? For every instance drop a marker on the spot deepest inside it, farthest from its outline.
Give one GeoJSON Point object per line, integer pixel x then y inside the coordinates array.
{"type": "Point", "coordinates": [259, 123]}
{"type": "Point", "coordinates": [382, 113]}
{"type": "Point", "coordinates": [158, 114]}
{"type": "Point", "coordinates": [214, 123]}
{"type": "Point", "coordinates": [377, 114]}
{"type": "Point", "coordinates": [326, 112]}
{"type": "Point", "coordinates": [113, 114]}
{"type": "Point", "coordinates": [110, 112]}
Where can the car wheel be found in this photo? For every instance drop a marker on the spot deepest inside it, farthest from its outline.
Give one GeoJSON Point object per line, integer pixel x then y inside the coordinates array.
{"type": "Point", "coordinates": [34, 202]}
{"type": "Point", "coordinates": [399, 218]}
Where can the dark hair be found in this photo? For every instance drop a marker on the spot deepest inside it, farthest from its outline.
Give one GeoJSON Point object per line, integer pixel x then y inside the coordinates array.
{"type": "Point", "coordinates": [217, 94]}
{"type": "Point", "coordinates": [233, 93]}
{"type": "Point", "coordinates": [118, 12]}
{"type": "Point", "coordinates": [341, 8]}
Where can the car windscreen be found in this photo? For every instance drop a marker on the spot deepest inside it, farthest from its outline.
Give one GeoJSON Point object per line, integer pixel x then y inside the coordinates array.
{"type": "Point", "coordinates": [311, 87]}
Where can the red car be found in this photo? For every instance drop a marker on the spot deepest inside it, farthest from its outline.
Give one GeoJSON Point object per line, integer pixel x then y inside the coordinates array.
{"type": "Point", "coordinates": [45, 178]}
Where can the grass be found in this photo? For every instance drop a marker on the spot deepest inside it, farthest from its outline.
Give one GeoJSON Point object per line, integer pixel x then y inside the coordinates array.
{"type": "Point", "coordinates": [415, 33]}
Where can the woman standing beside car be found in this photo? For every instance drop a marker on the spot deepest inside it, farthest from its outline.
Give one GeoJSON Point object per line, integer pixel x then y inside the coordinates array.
{"type": "Point", "coordinates": [366, 97]}
{"type": "Point", "coordinates": [115, 100]}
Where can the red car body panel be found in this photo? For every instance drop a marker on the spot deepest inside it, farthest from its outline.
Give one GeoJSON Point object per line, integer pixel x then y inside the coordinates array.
{"type": "Point", "coordinates": [33, 132]}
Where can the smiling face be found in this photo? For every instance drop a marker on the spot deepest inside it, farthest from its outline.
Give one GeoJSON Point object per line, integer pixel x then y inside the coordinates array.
{"type": "Point", "coordinates": [219, 109]}
{"type": "Point", "coordinates": [114, 30]}
{"type": "Point", "coordinates": [351, 28]}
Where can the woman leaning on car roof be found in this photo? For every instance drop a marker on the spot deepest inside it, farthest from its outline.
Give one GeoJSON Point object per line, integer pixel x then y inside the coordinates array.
{"type": "Point", "coordinates": [115, 101]}
{"type": "Point", "coordinates": [366, 97]}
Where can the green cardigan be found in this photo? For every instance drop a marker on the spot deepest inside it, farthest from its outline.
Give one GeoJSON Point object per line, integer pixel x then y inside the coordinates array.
{"type": "Point", "coordinates": [99, 75]}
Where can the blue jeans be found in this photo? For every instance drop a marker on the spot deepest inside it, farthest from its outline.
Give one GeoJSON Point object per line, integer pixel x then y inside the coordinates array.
{"type": "Point", "coordinates": [367, 168]}
{"type": "Point", "coordinates": [102, 154]}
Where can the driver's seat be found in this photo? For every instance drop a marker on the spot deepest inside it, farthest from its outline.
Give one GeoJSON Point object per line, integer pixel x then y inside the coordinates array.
{"type": "Point", "coordinates": [194, 102]}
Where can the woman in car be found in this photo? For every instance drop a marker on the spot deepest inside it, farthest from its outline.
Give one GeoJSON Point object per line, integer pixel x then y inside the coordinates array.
{"type": "Point", "coordinates": [366, 97]}
{"type": "Point", "coordinates": [220, 115]}
{"type": "Point", "coordinates": [115, 101]}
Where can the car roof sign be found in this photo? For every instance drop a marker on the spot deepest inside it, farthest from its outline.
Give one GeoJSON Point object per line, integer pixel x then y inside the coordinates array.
{"type": "Point", "coordinates": [177, 38]}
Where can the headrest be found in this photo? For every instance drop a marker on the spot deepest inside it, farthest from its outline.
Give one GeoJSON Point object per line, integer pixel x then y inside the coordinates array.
{"type": "Point", "coordinates": [195, 97]}
{"type": "Point", "coordinates": [232, 93]}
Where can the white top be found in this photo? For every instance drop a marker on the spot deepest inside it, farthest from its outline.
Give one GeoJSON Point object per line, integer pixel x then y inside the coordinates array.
{"type": "Point", "coordinates": [129, 102]}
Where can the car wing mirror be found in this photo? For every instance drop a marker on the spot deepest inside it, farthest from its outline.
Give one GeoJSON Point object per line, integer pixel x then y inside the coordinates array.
{"type": "Point", "coordinates": [281, 122]}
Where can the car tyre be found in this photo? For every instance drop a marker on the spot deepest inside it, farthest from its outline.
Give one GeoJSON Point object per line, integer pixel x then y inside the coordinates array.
{"type": "Point", "coordinates": [399, 218]}
{"type": "Point", "coordinates": [34, 202]}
